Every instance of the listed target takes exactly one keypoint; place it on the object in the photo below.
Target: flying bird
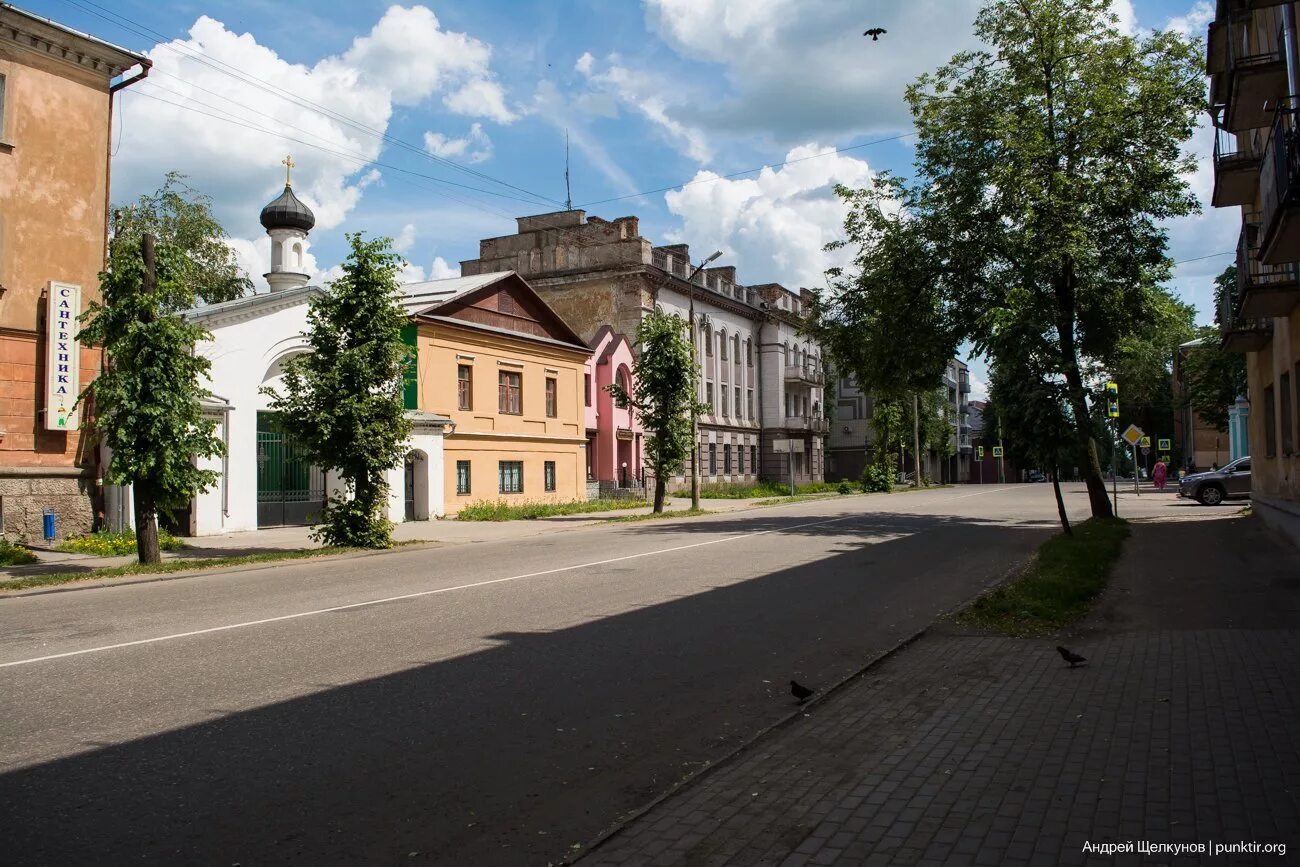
(875, 33)
(1071, 657)
(800, 691)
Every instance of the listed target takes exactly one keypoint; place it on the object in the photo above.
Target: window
(1270, 422)
(749, 403)
(726, 459)
(753, 459)
(510, 384)
(724, 400)
(2, 108)
(708, 396)
(749, 353)
(713, 459)
(462, 477)
(511, 477)
(740, 460)
(708, 342)
(738, 403)
(587, 386)
(735, 348)
(548, 475)
(464, 386)
(552, 397)
(1288, 438)
(722, 345)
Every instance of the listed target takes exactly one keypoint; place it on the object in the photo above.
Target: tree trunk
(659, 493)
(916, 436)
(1086, 445)
(1060, 501)
(146, 529)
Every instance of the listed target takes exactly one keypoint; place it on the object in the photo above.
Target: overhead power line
(146, 32)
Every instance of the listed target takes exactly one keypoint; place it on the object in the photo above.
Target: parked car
(1215, 486)
(1036, 476)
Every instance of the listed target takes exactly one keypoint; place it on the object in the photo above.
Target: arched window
(749, 353)
(735, 345)
(708, 341)
(297, 256)
(624, 381)
(722, 343)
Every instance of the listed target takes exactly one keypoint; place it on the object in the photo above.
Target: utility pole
(695, 404)
(146, 516)
(916, 437)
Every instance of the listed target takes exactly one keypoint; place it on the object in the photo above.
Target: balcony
(1246, 66)
(1263, 290)
(1279, 189)
(815, 424)
(964, 386)
(1239, 333)
(1237, 160)
(805, 373)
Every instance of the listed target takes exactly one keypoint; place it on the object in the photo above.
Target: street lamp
(695, 413)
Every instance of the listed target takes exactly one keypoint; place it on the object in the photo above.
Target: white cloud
(405, 239)
(441, 270)
(644, 93)
(474, 146)
(1194, 22)
(1123, 10)
(794, 74)
(771, 227)
(405, 59)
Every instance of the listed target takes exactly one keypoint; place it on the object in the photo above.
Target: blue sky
(383, 98)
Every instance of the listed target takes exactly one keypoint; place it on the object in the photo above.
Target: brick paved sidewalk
(974, 750)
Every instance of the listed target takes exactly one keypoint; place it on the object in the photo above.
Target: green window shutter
(411, 376)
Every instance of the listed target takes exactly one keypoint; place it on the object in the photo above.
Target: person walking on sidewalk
(1158, 475)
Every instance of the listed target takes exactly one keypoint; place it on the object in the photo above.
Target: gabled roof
(439, 300)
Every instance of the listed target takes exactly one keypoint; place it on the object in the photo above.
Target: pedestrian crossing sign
(997, 451)
(1164, 446)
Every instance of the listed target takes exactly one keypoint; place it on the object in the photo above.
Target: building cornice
(49, 39)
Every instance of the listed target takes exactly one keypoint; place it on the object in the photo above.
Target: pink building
(615, 437)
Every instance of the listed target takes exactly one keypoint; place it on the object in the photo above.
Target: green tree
(148, 399)
(891, 288)
(1212, 378)
(343, 399)
(665, 373)
(1045, 167)
(181, 219)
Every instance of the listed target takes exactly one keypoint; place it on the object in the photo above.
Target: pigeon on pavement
(1071, 657)
(800, 692)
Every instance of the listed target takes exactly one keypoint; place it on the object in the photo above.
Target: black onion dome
(288, 212)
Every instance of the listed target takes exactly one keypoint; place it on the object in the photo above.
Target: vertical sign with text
(62, 357)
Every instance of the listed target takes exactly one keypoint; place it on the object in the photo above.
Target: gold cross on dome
(288, 164)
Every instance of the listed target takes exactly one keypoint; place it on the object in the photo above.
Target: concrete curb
(696, 776)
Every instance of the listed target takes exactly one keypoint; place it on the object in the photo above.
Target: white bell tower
(287, 220)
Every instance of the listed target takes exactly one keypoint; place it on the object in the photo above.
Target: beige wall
(53, 180)
(485, 436)
(1278, 476)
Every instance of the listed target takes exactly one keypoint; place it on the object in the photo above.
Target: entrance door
(290, 490)
(410, 487)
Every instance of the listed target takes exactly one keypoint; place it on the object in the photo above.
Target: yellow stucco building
(493, 357)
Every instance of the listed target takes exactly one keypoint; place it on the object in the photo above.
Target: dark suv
(1212, 488)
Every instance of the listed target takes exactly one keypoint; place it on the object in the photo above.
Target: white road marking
(352, 605)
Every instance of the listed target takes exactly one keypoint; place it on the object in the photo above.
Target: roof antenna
(568, 194)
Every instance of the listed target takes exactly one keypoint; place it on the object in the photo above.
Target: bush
(14, 555)
(735, 491)
(877, 479)
(105, 544)
(844, 487)
(500, 510)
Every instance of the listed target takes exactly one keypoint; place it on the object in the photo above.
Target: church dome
(288, 212)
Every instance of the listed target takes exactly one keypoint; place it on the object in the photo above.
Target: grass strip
(655, 516)
(180, 565)
(1057, 587)
(500, 510)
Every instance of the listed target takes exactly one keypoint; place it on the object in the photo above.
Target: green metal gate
(290, 490)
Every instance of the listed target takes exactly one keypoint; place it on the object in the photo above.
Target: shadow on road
(506, 755)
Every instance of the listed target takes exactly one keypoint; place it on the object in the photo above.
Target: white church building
(265, 478)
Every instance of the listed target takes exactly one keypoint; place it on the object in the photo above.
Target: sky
(723, 124)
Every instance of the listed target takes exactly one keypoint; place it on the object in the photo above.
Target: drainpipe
(1289, 50)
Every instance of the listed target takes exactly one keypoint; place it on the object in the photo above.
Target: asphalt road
(485, 704)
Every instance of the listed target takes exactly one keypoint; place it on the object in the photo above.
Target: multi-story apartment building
(56, 90)
(1197, 443)
(759, 377)
(956, 383)
(851, 438)
(1253, 59)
